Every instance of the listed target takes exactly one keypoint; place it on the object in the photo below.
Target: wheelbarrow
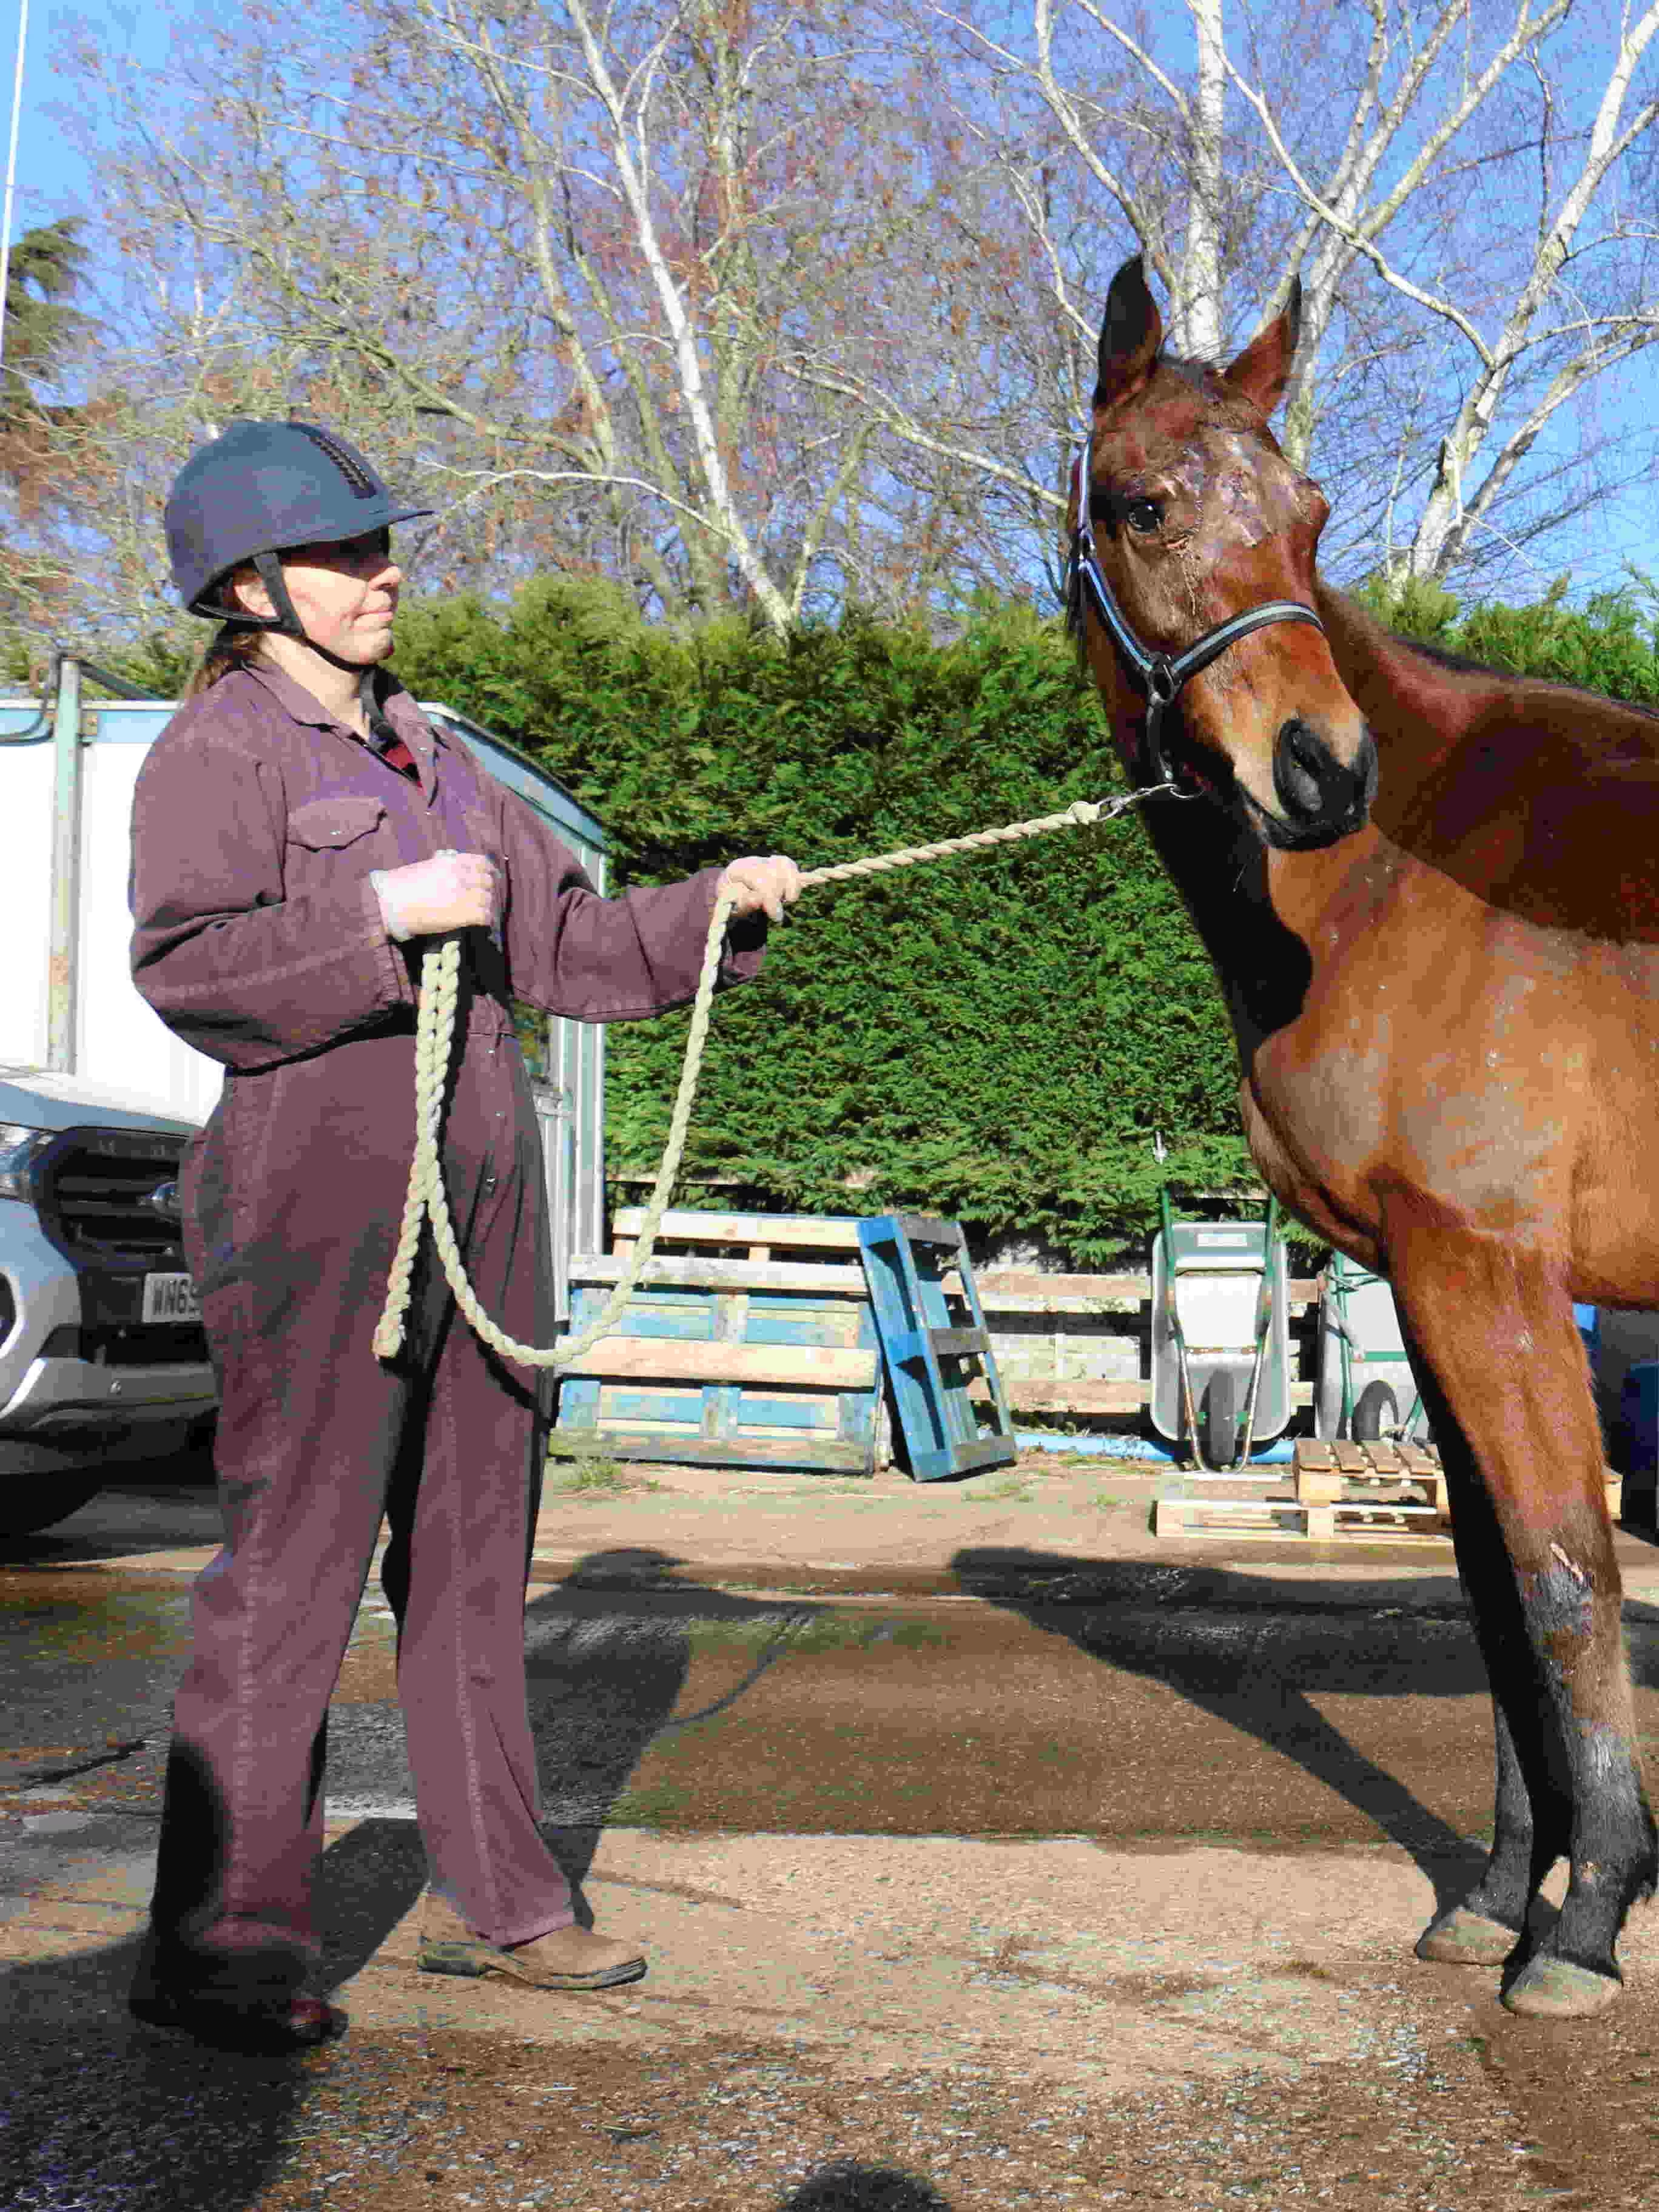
(1221, 1345)
(1364, 1372)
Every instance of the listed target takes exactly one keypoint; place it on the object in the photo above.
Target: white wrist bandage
(391, 909)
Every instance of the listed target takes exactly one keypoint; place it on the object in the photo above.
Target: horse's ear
(1131, 332)
(1263, 369)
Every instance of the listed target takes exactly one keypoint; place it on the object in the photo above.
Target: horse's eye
(1143, 515)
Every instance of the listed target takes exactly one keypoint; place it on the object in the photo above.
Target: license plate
(171, 1297)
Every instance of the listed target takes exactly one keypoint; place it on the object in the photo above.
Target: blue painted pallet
(728, 1361)
(934, 1355)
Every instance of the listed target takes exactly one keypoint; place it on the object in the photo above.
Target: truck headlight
(20, 1147)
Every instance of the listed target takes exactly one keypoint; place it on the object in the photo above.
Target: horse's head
(1193, 582)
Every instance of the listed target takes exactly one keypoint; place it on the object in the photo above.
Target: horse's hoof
(1555, 1989)
(1462, 1938)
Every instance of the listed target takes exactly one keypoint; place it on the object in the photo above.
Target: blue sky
(52, 180)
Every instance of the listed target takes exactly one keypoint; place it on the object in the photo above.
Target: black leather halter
(1160, 675)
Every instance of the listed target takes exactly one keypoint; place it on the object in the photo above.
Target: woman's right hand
(452, 890)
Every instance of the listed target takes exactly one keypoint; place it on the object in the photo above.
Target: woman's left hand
(772, 883)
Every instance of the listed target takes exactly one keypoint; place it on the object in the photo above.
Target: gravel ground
(457, 2121)
(1482, 2117)
(1439, 2102)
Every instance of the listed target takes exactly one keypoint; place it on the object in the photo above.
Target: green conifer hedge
(993, 1038)
(996, 1038)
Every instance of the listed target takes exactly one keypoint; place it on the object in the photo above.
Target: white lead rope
(441, 970)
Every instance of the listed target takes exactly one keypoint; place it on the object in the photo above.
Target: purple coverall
(260, 940)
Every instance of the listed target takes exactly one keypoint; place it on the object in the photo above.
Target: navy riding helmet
(260, 489)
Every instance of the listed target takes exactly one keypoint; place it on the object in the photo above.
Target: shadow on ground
(848, 2187)
(1248, 1649)
(98, 2111)
(605, 1682)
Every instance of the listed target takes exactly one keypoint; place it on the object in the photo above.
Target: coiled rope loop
(440, 970)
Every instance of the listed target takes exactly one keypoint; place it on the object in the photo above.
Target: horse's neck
(1541, 801)
(1258, 949)
(1419, 711)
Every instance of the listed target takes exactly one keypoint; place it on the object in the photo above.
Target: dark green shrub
(993, 1038)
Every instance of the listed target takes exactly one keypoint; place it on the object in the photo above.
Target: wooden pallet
(1329, 1491)
(1368, 1492)
(947, 1397)
(726, 1360)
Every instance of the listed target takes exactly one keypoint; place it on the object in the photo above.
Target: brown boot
(568, 1959)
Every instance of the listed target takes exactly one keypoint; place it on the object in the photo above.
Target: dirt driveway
(987, 1854)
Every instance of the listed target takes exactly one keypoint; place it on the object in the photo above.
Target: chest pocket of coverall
(328, 825)
(320, 827)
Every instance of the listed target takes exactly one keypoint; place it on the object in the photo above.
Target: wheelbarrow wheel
(1376, 1414)
(1219, 1417)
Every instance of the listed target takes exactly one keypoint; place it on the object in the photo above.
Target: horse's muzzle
(1322, 798)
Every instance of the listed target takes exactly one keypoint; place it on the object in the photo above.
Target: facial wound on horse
(1428, 891)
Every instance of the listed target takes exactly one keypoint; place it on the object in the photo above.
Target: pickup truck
(102, 1359)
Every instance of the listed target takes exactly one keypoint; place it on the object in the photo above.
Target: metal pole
(1264, 1319)
(1172, 1313)
(11, 170)
(62, 993)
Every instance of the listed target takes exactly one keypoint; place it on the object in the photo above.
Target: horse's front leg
(1507, 1390)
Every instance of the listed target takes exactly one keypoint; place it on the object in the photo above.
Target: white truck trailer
(102, 1359)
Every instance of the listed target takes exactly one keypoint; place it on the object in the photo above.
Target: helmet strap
(286, 620)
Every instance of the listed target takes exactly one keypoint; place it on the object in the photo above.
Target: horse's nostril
(1304, 769)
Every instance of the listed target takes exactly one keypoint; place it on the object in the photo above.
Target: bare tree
(547, 261)
(779, 304)
(1458, 183)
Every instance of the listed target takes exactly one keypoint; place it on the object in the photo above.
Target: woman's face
(345, 594)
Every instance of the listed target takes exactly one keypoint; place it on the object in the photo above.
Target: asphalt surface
(986, 1853)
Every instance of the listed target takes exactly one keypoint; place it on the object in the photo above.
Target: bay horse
(1430, 894)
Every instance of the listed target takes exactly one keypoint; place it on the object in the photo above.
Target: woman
(297, 831)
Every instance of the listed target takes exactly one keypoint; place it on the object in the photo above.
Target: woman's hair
(233, 646)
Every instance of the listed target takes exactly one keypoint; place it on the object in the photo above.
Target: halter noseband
(1160, 675)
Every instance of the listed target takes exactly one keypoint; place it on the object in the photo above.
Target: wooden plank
(1014, 1290)
(672, 1360)
(1317, 1485)
(697, 1272)
(957, 1343)
(1079, 1395)
(1270, 1515)
(1313, 1453)
(1085, 1394)
(685, 1226)
(943, 1426)
(997, 1285)
(1170, 1517)
(824, 1455)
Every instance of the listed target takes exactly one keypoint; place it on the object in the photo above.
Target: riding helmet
(261, 489)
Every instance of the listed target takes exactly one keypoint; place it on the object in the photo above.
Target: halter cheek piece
(1160, 675)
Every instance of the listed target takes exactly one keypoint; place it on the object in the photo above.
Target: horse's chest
(1457, 1088)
